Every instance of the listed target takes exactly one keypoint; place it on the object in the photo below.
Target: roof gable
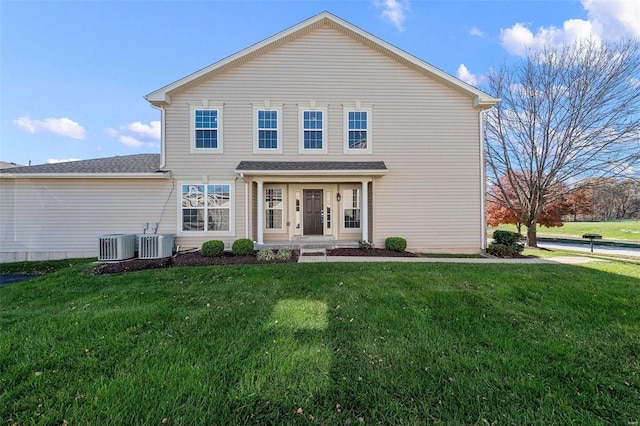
(163, 96)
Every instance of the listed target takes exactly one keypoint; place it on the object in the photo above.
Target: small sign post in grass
(592, 237)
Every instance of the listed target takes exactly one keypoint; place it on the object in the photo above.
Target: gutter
(156, 175)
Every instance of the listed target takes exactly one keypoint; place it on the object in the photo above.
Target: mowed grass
(325, 344)
(611, 230)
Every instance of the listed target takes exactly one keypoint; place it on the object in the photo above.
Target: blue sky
(73, 74)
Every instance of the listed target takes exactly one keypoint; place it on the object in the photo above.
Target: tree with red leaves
(503, 206)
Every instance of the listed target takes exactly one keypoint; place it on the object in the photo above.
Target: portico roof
(311, 168)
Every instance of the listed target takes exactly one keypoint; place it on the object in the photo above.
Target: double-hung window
(267, 133)
(357, 125)
(273, 208)
(206, 207)
(351, 208)
(313, 128)
(206, 127)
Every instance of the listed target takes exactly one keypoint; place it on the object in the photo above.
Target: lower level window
(205, 207)
(351, 209)
(273, 212)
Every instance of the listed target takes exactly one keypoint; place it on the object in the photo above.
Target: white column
(364, 212)
(260, 197)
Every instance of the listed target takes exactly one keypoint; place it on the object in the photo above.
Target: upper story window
(267, 133)
(313, 132)
(267, 129)
(206, 127)
(357, 125)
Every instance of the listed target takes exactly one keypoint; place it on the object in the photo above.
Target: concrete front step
(319, 250)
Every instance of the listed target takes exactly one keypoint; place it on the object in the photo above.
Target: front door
(313, 216)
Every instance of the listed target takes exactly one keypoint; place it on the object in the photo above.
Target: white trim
(342, 208)
(357, 107)
(364, 211)
(232, 209)
(260, 208)
(206, 105)
(312, 106)
(283, 208)
(267, 106)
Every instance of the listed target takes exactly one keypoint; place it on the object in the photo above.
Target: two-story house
(322, 131)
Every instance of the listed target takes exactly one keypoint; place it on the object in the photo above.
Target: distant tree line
(594, 199)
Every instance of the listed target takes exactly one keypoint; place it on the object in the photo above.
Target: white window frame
(205, 105)
(266, 207)
(312, 107)
(344, 205)
(229, 232)
(267, 106)
(357, 107)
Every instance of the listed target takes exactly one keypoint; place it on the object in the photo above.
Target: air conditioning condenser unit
(115, 247)
(155, 246)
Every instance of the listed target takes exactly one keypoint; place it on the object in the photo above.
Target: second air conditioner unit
(155, 246)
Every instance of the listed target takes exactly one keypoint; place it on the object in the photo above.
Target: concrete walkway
(568, 260)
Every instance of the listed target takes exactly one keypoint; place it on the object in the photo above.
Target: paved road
(621, 251)
(14, 278)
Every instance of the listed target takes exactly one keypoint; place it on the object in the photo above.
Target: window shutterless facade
(312, 125)
(206, 127)
(267, 128)
(357, 130)
(206, 207)
(351, 208)
(274, 207)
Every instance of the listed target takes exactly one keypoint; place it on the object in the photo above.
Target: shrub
(242, 247)
(395, 244)
(365, 245)
(507, 238)
(284, 254)
(213, 248)
(505, 244)
(498, 250)
(266, 255)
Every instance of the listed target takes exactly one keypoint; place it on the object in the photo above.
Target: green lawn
(611, 230)
(325, 344)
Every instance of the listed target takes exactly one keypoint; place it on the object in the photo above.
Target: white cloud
(137, 134)
(476, 32)
(54, 160)
(151, 130)
(394, 11)
(62, 126)
(519, 38)
(465, 75)
(615, 17)
(607, 19)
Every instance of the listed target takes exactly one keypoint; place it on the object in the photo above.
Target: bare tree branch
(567, 115)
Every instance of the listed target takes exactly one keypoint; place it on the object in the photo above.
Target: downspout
(483, 183)
(162, 137)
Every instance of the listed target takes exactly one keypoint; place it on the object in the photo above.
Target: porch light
(338, 197)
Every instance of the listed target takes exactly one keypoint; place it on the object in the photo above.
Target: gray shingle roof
(310, 165)
(139, 163)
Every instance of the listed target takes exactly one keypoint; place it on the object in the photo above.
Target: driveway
(6, 279)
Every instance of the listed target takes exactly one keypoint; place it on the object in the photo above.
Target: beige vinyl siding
(62, 218)
(426, 133)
